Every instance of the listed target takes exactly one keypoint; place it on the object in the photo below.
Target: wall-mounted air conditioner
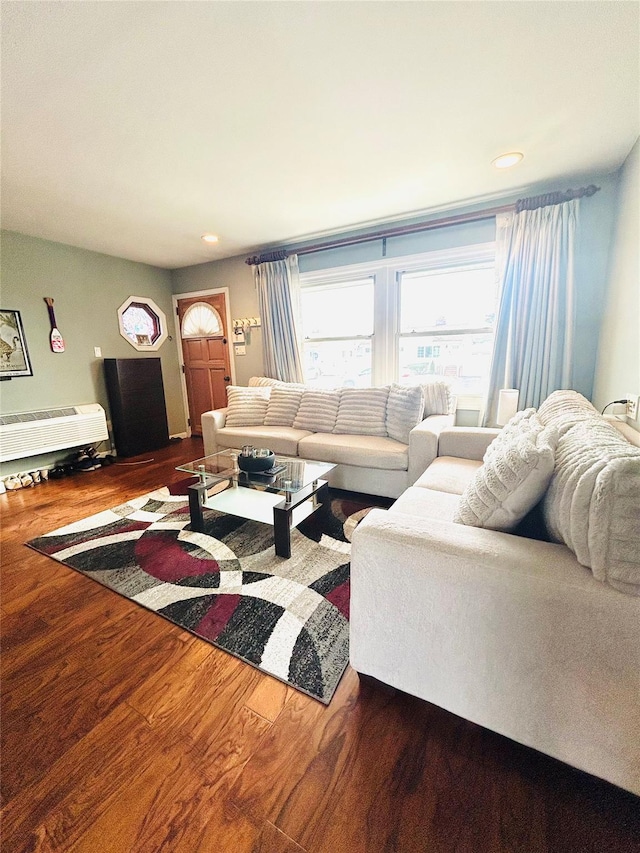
(31, 433)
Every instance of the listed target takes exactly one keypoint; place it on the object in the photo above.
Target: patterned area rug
(288, 618)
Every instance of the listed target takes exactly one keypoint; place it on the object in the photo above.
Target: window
(337, 322)
(201, 321)
(446, 326)
(142, 323)
(407, 320)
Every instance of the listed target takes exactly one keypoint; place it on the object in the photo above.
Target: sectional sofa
(523, 621)
(381, 439)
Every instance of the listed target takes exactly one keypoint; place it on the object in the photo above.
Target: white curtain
(278, 286)
(533, 349)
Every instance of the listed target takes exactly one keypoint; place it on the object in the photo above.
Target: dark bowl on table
(256, 463)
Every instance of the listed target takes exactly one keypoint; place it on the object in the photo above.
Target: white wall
(618, 363)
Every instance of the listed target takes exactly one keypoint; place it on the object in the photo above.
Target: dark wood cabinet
(137, 404)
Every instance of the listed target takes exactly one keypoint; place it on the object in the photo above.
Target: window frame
(162, 335)
(386, 273)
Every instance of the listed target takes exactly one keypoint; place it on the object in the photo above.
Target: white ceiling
(131, 128)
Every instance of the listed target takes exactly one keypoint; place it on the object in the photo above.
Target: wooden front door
(205, 350)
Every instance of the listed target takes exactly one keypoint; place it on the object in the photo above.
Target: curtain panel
(533, 349)
(278, 287)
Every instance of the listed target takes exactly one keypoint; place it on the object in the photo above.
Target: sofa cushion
(511, 482)
(449, 474)
(593, 502)
(246, 406)
(366, 451)
(318, 410)
(425, 503)
(437, 398)
(283, 406)
(282, 440)
(404, 411)
(362, 411)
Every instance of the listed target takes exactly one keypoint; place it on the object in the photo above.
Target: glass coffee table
(283, 499)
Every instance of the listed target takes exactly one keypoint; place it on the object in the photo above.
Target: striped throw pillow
(404, 411)
(437, 399)
(318, 411)
(283, 406)
(363, 411)
(246, 406)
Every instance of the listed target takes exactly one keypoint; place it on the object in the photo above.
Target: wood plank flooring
(122, 733)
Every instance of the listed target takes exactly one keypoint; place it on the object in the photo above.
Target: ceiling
(132, 128)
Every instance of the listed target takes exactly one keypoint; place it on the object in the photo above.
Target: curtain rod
(457, 219)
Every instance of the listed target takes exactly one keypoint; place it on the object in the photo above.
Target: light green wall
(88, 289)
(618, 364)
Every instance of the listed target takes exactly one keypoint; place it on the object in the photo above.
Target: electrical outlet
(632, 406)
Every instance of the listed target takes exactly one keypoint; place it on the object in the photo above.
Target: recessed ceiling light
(210, 238)
(505, 161)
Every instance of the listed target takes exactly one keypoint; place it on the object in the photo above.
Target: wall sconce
(507, 405)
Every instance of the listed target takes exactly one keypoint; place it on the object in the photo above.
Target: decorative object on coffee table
(255, 459)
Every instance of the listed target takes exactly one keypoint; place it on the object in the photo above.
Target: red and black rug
(287, 617)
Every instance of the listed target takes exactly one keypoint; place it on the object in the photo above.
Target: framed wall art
(14, 356)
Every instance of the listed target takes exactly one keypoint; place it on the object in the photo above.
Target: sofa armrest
(423, 443)
(211, 423)
(466, 442)
(510, 633)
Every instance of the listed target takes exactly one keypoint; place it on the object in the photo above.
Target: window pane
(337, 364)
(201, 321)
(140, 324)
(337, 311)
(457, 299)
(462, 360)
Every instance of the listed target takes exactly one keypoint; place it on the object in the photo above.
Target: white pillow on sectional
(511, 482)
(404, 411)
(283, 406)
(318, 410)
(518, 424)
(437, 398)
(246, 406)
(363, 411)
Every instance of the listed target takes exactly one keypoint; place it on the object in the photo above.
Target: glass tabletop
(294, 475)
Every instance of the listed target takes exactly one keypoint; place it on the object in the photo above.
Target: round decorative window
(201, 321)
(142, 323)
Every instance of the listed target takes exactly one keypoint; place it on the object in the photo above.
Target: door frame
(183, 380)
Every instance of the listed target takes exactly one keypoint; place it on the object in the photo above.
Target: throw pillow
(519, 423)
(511, 483)
(437, 399)
(363, 411)
(404, 411)
(318, 411)
(246, 406)
(283, 406)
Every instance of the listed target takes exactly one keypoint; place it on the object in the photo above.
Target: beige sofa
(372, 464)
(537, 640)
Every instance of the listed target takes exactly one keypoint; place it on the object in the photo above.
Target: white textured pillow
(404, 411)
(283, 406)
(511, 483)
(437, 398)
(246, 406)
(564, 409)
(318, 410)
(363, 411)
(519, 423)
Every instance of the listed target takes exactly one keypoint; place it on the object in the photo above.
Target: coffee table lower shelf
(266, 507)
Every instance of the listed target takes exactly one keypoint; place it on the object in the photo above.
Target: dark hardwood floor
(125, 734)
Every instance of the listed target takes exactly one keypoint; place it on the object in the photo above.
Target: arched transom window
(201, 320)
